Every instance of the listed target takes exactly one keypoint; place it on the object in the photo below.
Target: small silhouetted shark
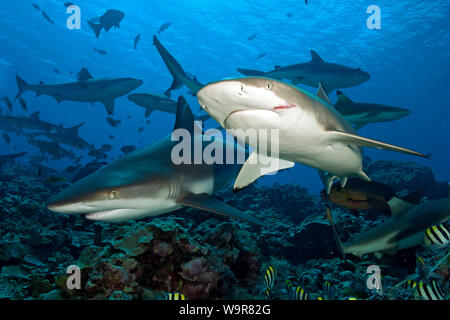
(311, 73)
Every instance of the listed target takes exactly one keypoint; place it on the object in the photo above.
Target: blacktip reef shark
(180, 78)
(155, 102)
(85, 89)
(361, 113)
(310, 130)
(310, 73)
(146, 183)
(405, 229)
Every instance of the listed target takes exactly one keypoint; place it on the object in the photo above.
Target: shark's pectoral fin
(256, 166)
(358, 125)
(353, 139)
(209, 203)
(148, 111)
(109, 105)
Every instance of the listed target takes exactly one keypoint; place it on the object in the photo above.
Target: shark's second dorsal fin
(35, 115)
(185, 118)
(84, 75)
(315, 57)
(342, 98)
(322, 93)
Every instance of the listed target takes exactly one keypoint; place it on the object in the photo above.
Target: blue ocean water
(408, 60)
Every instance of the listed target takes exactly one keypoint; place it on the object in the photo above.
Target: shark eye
(113, 195)
(268, 85)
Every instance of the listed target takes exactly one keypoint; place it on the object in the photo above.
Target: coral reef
(196, 253)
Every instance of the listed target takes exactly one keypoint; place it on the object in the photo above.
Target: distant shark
(311, 73)
(32, 122)
(84, 90)
(10, 157)
(147, 183)
(310, 130)
(180, 78)
(405, 229)
(156, 102)
(361, 113)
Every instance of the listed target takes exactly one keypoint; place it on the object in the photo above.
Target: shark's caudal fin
(174, 67)
(209, 203)
(96, 27)
(21, 85)
(353, 139)
(251, 73)
(256, 166)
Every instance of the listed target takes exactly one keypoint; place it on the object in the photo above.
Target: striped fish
(410, 284)
(300, 294)
(327, 288)
(289, 286)
(425, 291)
(175, 296)
(269, 277)
(437, 235)
(267, 294)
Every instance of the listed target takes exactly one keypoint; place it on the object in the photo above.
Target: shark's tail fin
(21, 85)
(252, 73)
(96, 27)
(335, 234)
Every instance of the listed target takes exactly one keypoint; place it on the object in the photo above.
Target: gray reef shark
(361, 113)
(310, 73)
(310, 130)
(405, 229)
(10, 157)
(156, 102)
(146, 182)
(180, 78)
(32, 122)
(85, 89)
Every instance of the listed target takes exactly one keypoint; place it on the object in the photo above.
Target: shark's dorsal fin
(342, 98)
(185, 118)
(315, 57)
(322, 94)
(35, 115)
(74, 129)
(84, 75)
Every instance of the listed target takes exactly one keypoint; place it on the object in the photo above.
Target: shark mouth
(109, 214)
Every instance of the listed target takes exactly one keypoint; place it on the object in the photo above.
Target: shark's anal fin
(209, 203)
(258, 165)
(109, 105)
(353, 139)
